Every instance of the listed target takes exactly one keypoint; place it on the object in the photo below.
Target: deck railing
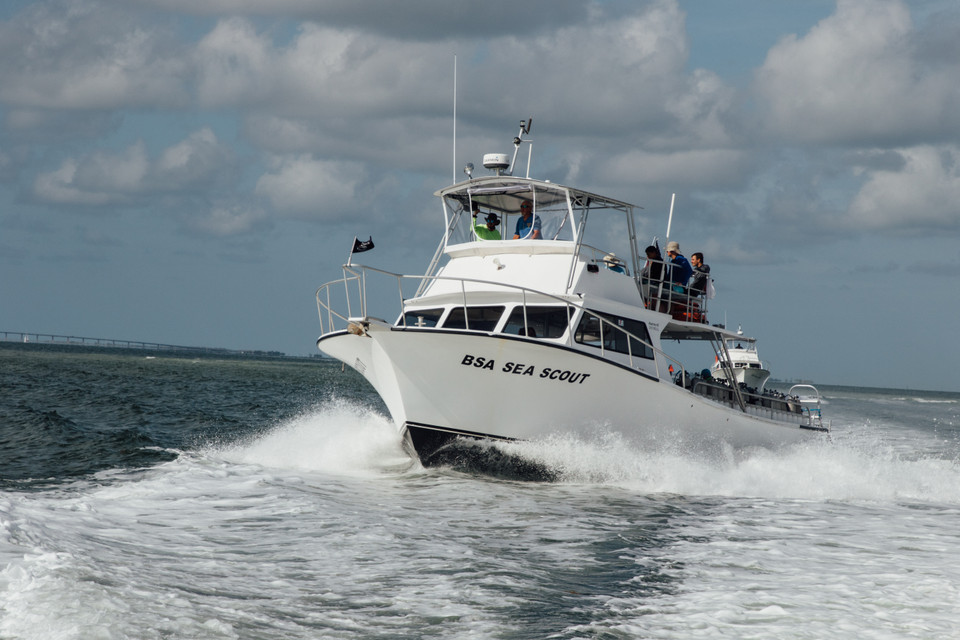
(354, 298)
(674, 298)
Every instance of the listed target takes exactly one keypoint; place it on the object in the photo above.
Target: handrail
(681, 306)
(355, 276)
(758, 403)
(816, 415)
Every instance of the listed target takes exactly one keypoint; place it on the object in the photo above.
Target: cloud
(130, 175)
(76, 55)
(55, 126)
(227, 220)
(706, 168)
(411, 19)
(322, 73)
(58, 187)
(858, 77)
(922, 196)
(348, 93)
(611, 73)
(302, 186)
(193, 163)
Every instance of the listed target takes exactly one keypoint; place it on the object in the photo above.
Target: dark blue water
(156, 497)
(71, 411)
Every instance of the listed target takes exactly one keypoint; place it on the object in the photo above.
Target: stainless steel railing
(672, 297)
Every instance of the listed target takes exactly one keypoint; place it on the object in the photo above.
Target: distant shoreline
(133, 347)
(173, 351)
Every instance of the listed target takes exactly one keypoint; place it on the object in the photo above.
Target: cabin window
(421, 318)
(479, 318)
(613, 336)
(542, 322)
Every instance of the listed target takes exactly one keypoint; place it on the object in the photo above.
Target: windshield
(507, 212)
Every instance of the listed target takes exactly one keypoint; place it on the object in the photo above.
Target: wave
(343, 437)
(339, 436)
(818, 470)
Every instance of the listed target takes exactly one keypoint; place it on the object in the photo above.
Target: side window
(588, 331)
(421, 318)
(542, 322)
(612, 335)
(479, 318)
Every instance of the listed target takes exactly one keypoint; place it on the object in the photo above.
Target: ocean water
(155, 497)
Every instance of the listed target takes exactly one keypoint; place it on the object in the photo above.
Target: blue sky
(190, 172)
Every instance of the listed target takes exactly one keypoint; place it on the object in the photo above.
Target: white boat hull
(513, 388)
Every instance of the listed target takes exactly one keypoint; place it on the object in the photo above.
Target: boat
(527, 324)
(747, 368)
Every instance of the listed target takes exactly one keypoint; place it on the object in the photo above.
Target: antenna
(524, 129)
(454, 118)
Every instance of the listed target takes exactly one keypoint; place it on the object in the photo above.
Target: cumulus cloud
(196, 162)
(127, 176)
(332, 90)
(346, 93)
(59, 187)
(857, 78)
(631, 83)
(305, 187)
(76, 55)
(921, 196)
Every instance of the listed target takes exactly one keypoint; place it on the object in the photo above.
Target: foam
(338, 437)
(857, 470)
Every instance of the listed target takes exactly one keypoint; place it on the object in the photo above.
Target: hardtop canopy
(505, 193)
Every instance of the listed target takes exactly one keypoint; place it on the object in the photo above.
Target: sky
(190, 172)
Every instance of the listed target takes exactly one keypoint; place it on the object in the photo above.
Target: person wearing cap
(680, 269)
(528, 226)
(489, 230)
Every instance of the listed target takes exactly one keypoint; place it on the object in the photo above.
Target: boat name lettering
(478, 361)
(564, 375)
(519, 368)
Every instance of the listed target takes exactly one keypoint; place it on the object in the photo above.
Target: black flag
(359, 245)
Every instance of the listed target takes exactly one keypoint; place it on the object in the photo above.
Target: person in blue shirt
(528, 226)
(680, 269)
(612, 262)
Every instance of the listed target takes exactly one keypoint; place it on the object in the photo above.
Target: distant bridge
(50, 338)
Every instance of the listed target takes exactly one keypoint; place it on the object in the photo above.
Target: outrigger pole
(670, 219)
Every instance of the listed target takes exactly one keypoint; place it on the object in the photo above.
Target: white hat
(673, 246)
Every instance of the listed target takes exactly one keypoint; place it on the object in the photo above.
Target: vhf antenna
(524, 129)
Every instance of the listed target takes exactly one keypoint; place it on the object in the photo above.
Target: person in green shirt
(489, 230)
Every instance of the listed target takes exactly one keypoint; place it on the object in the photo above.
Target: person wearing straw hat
(680, 269)
(612, 262)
